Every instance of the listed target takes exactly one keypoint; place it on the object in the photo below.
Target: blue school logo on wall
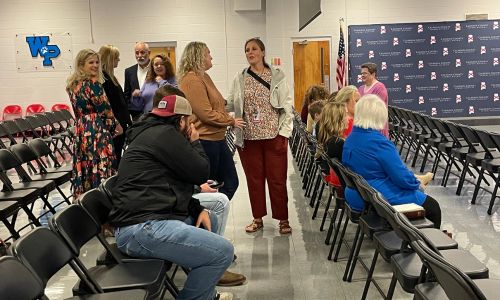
(39, 45)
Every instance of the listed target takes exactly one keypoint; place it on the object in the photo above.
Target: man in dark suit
(135, 76)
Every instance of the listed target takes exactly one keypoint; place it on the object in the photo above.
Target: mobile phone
(215, 184)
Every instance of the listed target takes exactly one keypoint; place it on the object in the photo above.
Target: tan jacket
(208, 106)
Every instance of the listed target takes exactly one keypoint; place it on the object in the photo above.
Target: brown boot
(231, 279)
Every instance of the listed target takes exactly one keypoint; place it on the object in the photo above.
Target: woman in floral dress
(94, 157)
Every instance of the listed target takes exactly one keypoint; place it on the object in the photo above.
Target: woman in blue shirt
(370, 154)
(161, 72)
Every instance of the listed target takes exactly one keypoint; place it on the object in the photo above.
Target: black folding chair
(76, 227)
(44, 253)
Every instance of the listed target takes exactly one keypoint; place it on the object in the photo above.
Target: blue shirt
(145, 101)
(374, 157)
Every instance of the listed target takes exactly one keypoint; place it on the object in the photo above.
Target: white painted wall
(123, 22)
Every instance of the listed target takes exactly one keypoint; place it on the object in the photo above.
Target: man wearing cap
(154, 211)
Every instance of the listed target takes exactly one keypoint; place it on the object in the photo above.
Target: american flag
(341, 62)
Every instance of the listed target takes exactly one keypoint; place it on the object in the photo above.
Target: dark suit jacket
(131, 82)
(117, 100)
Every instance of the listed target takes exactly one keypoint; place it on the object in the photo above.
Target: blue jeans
(218, 204)
(207, 254)
(221, 166)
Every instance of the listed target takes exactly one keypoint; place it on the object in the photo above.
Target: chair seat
(422, 223)
(45, 186)
(446, 147)
(429, 291)
(460, 153)
(492, 165)
(441, 240)
(63, 168)
(7, 208)
(105, 257)
(434, 291)
(407, 266)
(58, 177)
(140, 274)
(476, 158)
(371, 223)
(120, 295)
(387, 244)
(26, 195)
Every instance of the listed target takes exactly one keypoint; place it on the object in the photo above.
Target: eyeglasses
(141, 52)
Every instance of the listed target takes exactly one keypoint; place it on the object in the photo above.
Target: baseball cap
(172, 105)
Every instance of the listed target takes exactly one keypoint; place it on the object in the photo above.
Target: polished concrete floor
(295, 266)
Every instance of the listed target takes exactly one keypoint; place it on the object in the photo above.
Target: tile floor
(295, 266)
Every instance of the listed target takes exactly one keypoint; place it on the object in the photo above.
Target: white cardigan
(280, 99)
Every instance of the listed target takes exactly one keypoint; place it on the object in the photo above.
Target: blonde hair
(109, 54)
(78, 73)
(345, 94)
(370, 113)
(192, 59)
(332, 122)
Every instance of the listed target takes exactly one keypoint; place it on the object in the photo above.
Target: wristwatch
(208, 212)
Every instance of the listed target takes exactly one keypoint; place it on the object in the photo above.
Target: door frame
(314, 39)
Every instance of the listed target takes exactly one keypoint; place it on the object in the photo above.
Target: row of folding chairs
(461, 150)
(56, 128)
(29, 172)
(42, 252)
(383, 226)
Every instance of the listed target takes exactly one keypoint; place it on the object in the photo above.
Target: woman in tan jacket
(212, 119)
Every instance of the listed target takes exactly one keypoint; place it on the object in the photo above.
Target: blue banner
(443, 69)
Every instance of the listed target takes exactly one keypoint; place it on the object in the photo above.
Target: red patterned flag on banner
(341, 62)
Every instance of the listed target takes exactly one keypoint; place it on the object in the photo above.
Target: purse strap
(259, 79)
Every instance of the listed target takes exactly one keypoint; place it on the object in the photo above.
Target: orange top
(208, 106)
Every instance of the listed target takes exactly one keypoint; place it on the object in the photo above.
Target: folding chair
(452, 283)
(76, 227)
(34, 109)
(44, 253)
(12, 111)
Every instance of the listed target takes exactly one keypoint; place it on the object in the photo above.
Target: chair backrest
(386, 211)
(341, 171)
(68, 116)
(60, 106)
(11, 129)
(107, 186)
(17, 281)
(43, 152)
(23, 153)
(34, 109)
(496, 139)
(97, 205)
(75, 226)
(8, 160)
(487, 142)
(43, 252)
(456, 134)
(332, 163)
(12, 111)
(455, 283)
(470, 137)
(413, 233)
(23, 125)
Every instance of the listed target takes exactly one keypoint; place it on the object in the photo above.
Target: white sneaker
(224, 296)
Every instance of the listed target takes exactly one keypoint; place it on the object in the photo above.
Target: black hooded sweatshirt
(157, 175)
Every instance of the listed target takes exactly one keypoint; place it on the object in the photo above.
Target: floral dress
(94, 157)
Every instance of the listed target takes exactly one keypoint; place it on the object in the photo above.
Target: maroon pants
(266, 160)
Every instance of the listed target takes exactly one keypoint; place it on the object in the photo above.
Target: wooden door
(311, 66)
(167, 51)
